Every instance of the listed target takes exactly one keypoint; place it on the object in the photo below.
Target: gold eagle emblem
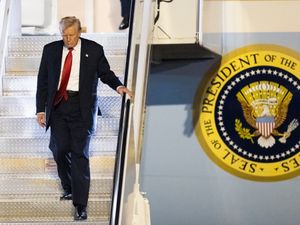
(265, 107)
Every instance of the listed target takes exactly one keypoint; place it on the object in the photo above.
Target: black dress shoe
(124, 24)
(66, 196)
(80, 213)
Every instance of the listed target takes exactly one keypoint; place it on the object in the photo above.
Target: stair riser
(38, 146)
(25, 106)
(28, 127)
(23, 85)
(31, 64)
(47, 188)
(94, 221)
(50, 210)
(113, 44)
(46, 166)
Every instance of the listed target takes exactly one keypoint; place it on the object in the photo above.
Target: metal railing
(126, 178)
(129, 206)
(5, 6)
(10, 24)
(122, 139)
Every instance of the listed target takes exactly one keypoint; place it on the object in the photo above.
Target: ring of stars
(221, 107)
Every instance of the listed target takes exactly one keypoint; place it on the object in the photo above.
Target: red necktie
(62, 91)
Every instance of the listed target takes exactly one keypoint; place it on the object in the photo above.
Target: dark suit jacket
(93, 65)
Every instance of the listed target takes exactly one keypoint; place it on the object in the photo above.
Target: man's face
(71, 36)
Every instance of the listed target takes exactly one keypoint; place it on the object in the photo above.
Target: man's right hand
(41, 119)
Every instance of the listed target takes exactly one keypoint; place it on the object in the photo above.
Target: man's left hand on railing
(124, 90)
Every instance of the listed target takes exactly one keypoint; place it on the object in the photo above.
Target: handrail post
(141, 72)
(8, 9)
(199, 22)
(4, 14)
(14, 18)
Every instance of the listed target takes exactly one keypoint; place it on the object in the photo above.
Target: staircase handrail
(126, 177)
(119, 163)
(122, 138)
(4, 26)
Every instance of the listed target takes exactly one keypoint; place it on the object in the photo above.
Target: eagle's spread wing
(282, 111)
(247, 111)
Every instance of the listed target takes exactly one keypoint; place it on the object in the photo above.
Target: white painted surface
(177, 22)
(106, 14)
(36, 13)
(95, 15)
(251, 16)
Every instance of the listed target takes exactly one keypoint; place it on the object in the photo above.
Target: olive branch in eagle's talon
(244, 133)
(292, 126)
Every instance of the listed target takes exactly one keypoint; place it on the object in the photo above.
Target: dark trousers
(125, 8)
(69, 143)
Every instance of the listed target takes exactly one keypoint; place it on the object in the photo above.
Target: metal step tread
(36, 165)
(32, 63)
(50, 198)
(113, 43)
(47, 187)
(45, 137)
(46, 153)
(25, 105)
(94, 221)
(27, 84)
(38, 176)
(21, 126)
(11, 155)
(29, 97)
(14, 210)
(44, 197)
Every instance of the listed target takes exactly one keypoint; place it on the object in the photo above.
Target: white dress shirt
(73, 84)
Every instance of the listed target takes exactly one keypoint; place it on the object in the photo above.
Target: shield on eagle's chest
(265, 125)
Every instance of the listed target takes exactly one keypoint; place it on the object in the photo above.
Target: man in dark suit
(125, 13)
(66, 101)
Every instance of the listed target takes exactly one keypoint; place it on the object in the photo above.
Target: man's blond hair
(68, 21)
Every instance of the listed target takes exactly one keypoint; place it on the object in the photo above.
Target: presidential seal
(247, 114)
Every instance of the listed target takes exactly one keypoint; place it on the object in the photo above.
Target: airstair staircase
(29, 186)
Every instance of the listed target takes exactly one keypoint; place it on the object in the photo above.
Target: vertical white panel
(33, 13)
(15, 18)
(89, 15)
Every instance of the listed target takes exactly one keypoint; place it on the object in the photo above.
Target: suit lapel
(57, 63)
(83, 62)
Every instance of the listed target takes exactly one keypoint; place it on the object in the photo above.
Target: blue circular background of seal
(232, 110)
